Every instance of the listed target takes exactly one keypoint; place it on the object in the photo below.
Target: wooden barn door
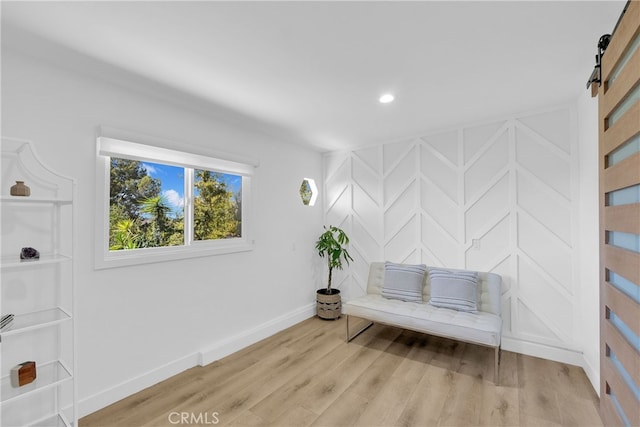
(619, 146)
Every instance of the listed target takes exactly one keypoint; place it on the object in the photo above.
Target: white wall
(514, 186)
(589, 226)
(138, 325)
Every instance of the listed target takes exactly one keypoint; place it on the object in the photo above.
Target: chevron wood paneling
(496, 197)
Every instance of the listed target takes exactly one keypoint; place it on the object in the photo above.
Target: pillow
(403, 281)
(454, 289)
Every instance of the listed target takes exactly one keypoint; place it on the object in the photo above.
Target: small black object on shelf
(29, 254)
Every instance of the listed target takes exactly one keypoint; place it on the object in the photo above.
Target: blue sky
(172, 178)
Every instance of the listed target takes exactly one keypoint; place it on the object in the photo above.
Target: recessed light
(386, 98)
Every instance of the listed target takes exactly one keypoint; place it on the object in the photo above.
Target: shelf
(35, 200)
(48, 375)
(16, 262)
(39, 319)
(46, 286)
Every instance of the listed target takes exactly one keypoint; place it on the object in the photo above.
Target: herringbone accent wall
(497, 197)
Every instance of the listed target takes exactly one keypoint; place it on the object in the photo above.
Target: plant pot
(328, 305)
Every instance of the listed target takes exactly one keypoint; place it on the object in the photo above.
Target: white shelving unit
(39, 293)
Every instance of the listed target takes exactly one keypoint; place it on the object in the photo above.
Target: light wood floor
(308, 376)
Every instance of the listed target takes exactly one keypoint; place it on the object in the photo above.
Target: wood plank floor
(308, 376)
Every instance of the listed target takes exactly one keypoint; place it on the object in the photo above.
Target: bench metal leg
(349, 338)
(496, 367)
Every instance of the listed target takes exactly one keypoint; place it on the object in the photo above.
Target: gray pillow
(454, 289)
(403, 281)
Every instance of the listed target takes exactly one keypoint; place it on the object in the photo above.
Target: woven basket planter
(328, 306)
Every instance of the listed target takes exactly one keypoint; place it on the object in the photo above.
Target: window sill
(123, 258)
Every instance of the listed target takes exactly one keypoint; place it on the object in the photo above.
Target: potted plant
(331, 245)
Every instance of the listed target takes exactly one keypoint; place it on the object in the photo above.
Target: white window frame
(108, 146)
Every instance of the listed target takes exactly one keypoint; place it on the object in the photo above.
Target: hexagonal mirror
(308, 192)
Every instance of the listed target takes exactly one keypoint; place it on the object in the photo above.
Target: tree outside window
(217, 209)
(147, 205)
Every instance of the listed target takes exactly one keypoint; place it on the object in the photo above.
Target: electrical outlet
(476, 244)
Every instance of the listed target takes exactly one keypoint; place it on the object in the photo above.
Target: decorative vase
(20, 189)
(328, 306)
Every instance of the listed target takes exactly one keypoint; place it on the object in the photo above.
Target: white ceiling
(311, 72)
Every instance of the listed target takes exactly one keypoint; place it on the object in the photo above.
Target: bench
(482, 327)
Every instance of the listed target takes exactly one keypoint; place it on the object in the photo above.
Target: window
(146, 205)
(217, 205)
(158, 204)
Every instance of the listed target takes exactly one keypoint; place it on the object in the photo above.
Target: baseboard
(557, 354)
(593, 374)
(214, 352)
(111, 395)
(251, 336)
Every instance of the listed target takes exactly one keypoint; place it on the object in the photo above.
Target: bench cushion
(483, 326)
(480, 327)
